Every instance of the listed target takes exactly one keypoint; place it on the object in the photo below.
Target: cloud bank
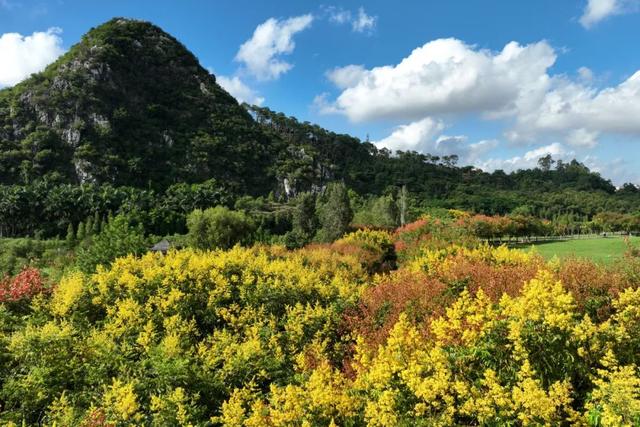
(21, 56)
(447, 78)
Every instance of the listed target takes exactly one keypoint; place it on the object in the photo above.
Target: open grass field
(601, 249)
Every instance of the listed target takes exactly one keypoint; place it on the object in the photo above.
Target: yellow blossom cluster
(515, 362)
(437, 261)
(324, 336)
(164, 339)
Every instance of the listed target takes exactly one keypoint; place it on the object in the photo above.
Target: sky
(499, 83)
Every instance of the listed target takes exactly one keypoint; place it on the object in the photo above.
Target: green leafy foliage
(119, 238)
(334, 212)
(218, 227)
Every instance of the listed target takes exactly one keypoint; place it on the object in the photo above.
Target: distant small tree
(385, 211)
(334, 212)
(81, 234)
(450, 161)
(304, 221)
(546, 162)
(380, 211)
(119, 238)
(96, 223)
(71, 235)
(218, 227)
(88, 228)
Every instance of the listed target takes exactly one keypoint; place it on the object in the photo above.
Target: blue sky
(500, 83)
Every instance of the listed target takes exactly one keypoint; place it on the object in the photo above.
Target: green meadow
(600, 249)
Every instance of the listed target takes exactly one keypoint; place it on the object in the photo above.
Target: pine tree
(305, 221)
(71, 235)
(88, 228)
(81, 234)
(334, 211)
(96, 223)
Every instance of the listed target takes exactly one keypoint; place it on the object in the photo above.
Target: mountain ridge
(128, 104)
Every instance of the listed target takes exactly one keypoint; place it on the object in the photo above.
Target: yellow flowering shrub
(120, 403)
(68, 293)
(615, 400)
(481, 363)
(436, 261)
(458, 214)
(264, 336)
(174, 407)
(61, 412)
(465, 321)
(377, 239)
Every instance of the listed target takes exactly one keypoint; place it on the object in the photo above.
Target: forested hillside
(128, 105)
(127, 121)
(310, 156)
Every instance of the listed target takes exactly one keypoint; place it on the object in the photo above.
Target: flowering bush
(332, 334)
(521, 361)
(429, 233)
(168, 338)
(25, 285)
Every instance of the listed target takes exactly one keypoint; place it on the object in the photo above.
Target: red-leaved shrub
(25, 285)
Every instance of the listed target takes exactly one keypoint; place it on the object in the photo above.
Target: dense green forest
(127, 121)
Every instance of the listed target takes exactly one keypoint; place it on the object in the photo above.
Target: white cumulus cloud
(20, 55)
(527, 160)
(239, 90)
(586, 75)
(338, 15)
(344, 77)
(360, 21)
(425, 136)
(581, 112)
(416, 136)
(261, 54)
(448, 79)
(448, 76)
(582, 138)
(598, 10)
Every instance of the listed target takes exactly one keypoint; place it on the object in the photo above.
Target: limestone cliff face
(129, 104)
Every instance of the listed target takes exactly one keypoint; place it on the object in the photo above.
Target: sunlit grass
(601, 249)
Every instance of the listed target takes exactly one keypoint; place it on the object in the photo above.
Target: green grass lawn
(601, 249)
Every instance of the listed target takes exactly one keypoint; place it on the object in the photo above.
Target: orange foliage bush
(495, 280)
(428, 233)
(593, 286)
(424, 295)
(413, 293)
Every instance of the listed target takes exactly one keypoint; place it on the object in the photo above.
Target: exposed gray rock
(82, 171)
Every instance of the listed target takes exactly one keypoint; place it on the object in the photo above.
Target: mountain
(129, 105)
